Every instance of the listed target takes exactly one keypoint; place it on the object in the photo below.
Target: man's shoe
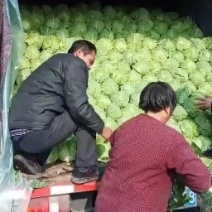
(83, 175)
(27, 166)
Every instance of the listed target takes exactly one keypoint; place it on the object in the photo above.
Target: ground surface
(54, 174)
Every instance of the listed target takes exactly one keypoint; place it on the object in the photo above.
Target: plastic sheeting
(14, 195)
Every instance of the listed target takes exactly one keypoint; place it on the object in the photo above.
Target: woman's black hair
(157, 96)
(86, 46)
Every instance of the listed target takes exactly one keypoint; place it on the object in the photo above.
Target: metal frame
(57, 198)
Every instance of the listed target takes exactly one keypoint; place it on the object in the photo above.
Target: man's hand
(106, 133)
(204, 102)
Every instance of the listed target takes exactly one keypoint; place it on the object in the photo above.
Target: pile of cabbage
(135, 46)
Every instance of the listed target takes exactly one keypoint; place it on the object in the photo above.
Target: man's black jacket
(59, 84)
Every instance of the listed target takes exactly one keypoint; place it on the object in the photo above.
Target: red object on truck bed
(66, 188)
(56, 198)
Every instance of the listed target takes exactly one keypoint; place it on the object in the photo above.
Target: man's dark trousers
(39, 143)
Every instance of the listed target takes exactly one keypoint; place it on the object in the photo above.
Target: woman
(145, 154)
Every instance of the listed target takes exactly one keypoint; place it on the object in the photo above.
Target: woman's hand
(204, 102)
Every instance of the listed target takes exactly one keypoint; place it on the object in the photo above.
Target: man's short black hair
(157, 96)
(86, 46)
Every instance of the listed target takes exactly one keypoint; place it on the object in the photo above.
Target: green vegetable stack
(135, 46)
